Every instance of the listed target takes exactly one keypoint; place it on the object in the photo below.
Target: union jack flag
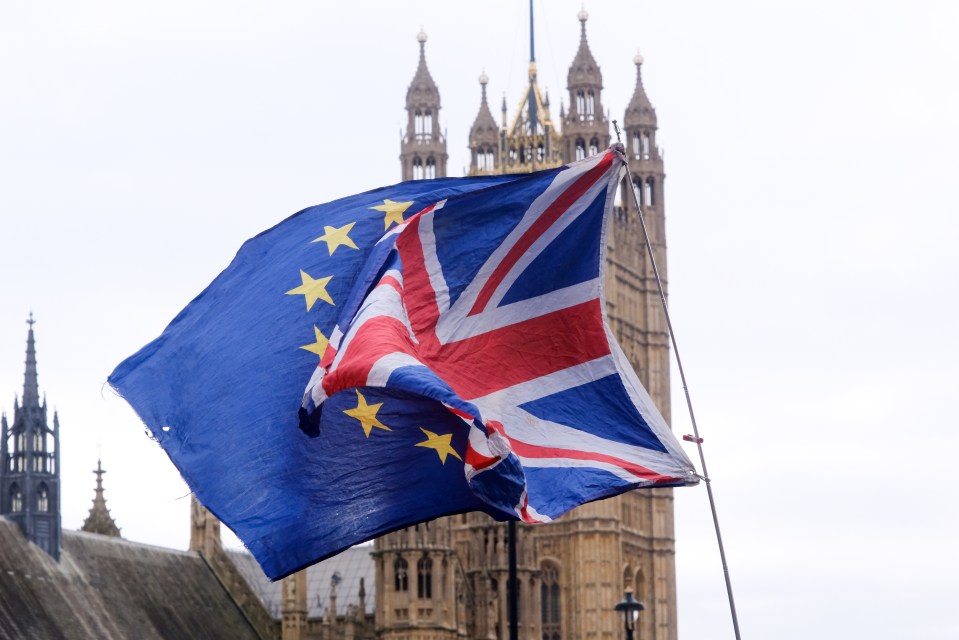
(491, 303)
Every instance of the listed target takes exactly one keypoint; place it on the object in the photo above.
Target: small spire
(640, 110)
(99, 520)
(31, 388)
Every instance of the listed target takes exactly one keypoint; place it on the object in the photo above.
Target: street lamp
(630, 607)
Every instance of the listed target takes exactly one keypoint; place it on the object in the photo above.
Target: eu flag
(220, 388)
(464, 364)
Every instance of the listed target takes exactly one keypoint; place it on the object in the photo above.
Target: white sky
(811, 160)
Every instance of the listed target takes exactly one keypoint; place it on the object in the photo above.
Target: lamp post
(630, 607)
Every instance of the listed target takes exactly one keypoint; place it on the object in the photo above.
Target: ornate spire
(422, 90)
(31, 389)
(584, 71)
(100, 521)
(423, 147)
(484, 126)
(640, 110)
(484, 137)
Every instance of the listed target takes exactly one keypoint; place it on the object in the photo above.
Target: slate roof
(109, 588)
(351, 565)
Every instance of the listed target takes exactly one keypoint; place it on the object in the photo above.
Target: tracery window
(590, 105)
(593, 146)
(417, 168)
(580, 148)
(430, 168)
(401, 574)
(581, 104)
(16, 499)
(424, 578)
(550, 601)
(43, 499)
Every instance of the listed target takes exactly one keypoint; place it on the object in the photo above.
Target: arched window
(428, 124)
(580, 104)
(43, 499)
(484, 159)
(540, 153)
(417, 168)
(650, 192)
(590, 105)
(401, 574)
(580, 148)
(550, 601)
(645, 150)
(638, 191)
(637, 145)
(424, 578)
(418, 123)
(16, 499)
(430, 168)
(512, 155)
(627, 578)
(593, 146)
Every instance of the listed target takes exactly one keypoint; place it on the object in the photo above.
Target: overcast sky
(811, 152)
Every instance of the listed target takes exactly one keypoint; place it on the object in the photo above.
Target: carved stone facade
(572, 571)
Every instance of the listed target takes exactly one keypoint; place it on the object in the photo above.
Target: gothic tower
(423, 148)
(531, 142)
(30, 463)
(99, 519)
(573, 570)
(417, 575)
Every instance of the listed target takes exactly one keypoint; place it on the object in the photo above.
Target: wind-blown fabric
(464, 365)
(492, 305)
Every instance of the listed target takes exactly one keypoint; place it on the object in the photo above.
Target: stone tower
(99, 519)
(423, 147)
(30, 463)
(418, 584)
(572, 571)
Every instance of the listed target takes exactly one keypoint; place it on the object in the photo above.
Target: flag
(464, 364)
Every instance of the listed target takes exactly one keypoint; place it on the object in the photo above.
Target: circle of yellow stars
(314, 289)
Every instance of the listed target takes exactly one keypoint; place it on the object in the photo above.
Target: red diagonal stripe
(538, 228)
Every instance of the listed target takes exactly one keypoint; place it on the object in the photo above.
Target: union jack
(492, 304)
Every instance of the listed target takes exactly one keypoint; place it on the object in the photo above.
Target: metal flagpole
(689, 402)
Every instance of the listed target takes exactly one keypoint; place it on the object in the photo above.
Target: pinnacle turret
(484, 136)
(422, 90)
(584, 72)
(423, 148)
(640, 110)
(99, 520)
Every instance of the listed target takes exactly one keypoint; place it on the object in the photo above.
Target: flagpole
(689, 402)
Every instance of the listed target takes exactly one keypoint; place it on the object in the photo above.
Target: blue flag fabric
(464, 365)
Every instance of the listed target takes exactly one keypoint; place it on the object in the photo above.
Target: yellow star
(439, 443)
(319, 346)
(366, 414)
(312, 290)
(334, 237)
(394, 211)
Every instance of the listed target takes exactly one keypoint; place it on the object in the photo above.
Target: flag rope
(689, 402)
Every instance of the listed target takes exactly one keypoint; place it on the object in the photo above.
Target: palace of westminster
(442, 580)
